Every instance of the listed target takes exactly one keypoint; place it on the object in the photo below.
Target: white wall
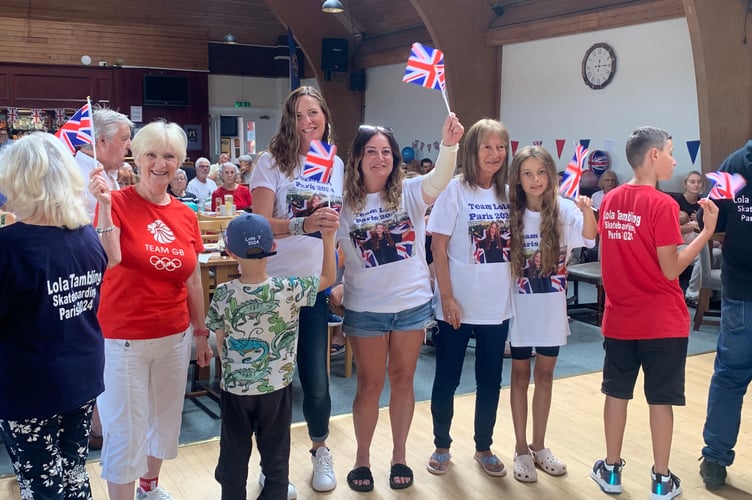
(413, 113)
(544, 98)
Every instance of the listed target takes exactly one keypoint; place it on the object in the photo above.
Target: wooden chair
(348, 351)
(212, 229)
(710, 281)
(589, 272)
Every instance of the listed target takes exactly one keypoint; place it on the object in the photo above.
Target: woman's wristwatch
(201, 332)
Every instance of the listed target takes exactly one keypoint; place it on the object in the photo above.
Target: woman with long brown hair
(278, 187)
(387, 305)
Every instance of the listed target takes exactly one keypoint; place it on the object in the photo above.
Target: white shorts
(142, 405)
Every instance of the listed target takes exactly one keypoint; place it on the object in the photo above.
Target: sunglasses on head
(375, 128)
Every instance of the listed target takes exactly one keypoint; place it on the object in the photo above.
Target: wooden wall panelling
(723, 70)
(393, 48)
(52, 42)
(639, 12)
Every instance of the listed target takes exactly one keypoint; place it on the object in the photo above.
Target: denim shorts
(371, 324)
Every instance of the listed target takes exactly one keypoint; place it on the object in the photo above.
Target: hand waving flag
(77, 130)
(319, 162)
(725, 185)
(425, 67)
(570, 186)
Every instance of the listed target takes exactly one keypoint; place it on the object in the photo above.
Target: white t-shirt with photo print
(540, 303)
(478, 251)
(385, 255)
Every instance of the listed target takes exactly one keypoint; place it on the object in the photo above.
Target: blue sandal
(442, 459)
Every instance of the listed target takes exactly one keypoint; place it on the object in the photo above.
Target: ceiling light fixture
(332, 7)
(229, 38)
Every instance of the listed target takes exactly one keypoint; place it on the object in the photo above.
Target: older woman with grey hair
(51, 267)
(241, 195)
(178, 189)
(246, 168)
(152, 307)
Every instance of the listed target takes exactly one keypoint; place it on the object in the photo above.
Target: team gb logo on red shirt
(160, 231)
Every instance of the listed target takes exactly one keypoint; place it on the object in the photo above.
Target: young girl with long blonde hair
(540, 222)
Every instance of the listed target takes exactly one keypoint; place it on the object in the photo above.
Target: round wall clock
(599, 66)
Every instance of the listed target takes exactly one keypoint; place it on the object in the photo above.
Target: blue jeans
(733, 372)
(450, 355)
(312, 353)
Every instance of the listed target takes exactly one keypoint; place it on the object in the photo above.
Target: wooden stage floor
(575, 435)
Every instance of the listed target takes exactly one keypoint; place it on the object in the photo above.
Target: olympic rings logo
(165, 263)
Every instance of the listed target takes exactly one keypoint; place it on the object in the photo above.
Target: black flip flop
(400, 470)
(360, 474)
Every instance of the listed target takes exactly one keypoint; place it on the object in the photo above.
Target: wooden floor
(575, 435)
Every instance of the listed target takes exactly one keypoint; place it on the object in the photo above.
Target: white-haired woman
(152, 306)
(51, 267)
(241, 195)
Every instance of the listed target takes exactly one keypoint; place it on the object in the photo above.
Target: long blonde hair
(355, 189)
(550, 230)
(285, 145)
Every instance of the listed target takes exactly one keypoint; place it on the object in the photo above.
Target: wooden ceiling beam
(613, 17)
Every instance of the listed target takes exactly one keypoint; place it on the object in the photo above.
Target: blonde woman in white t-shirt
(388, 302)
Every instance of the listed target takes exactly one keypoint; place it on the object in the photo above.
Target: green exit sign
(242, 104)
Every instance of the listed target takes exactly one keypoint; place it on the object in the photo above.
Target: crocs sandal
(400, 470)
(492, 465)
(356, 478)
(438, 463)
(524, 468)
(548, 462)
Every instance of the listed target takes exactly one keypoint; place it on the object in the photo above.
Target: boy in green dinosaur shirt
(255, 319)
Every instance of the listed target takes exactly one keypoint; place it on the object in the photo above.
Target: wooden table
(225, 268)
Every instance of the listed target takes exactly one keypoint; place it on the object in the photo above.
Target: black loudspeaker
(334, 54)
(358, 81)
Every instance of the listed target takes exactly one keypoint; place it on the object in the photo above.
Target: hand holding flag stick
(425, 67)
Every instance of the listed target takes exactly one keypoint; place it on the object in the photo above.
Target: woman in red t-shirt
(241, 196)
(151, 300)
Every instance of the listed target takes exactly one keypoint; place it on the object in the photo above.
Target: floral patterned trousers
(49, 454)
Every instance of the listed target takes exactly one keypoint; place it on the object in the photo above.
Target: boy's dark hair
(641, 141)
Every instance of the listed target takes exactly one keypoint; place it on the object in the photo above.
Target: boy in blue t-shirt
(255, 319)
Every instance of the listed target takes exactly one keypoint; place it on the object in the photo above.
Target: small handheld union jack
(77, 130)
(425, 67)
(319, 162)
(570, 186)
(725, 185)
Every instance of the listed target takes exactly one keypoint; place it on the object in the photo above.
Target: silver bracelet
(105, 230)
(296, 226)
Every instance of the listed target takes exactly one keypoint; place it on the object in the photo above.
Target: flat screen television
(165, 90)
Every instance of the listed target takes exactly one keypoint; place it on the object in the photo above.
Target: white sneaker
(158, 493)
(292, 493)
(323, 470)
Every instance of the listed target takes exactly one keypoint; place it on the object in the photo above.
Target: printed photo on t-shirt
(534, 281)
(306, 196)
(489, 241)
(385, 241)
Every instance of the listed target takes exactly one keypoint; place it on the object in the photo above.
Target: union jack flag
(523, 286)
(559, 283)
(570, 186)
(479, 256)
(369, 258)
(425, 67)
(78, 130)
(405, 246)
(12, 116)
(319, 162)
(725, 185)
(36, 116)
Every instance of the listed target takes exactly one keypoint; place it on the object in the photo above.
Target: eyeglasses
(375, 128)
(202, 166)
